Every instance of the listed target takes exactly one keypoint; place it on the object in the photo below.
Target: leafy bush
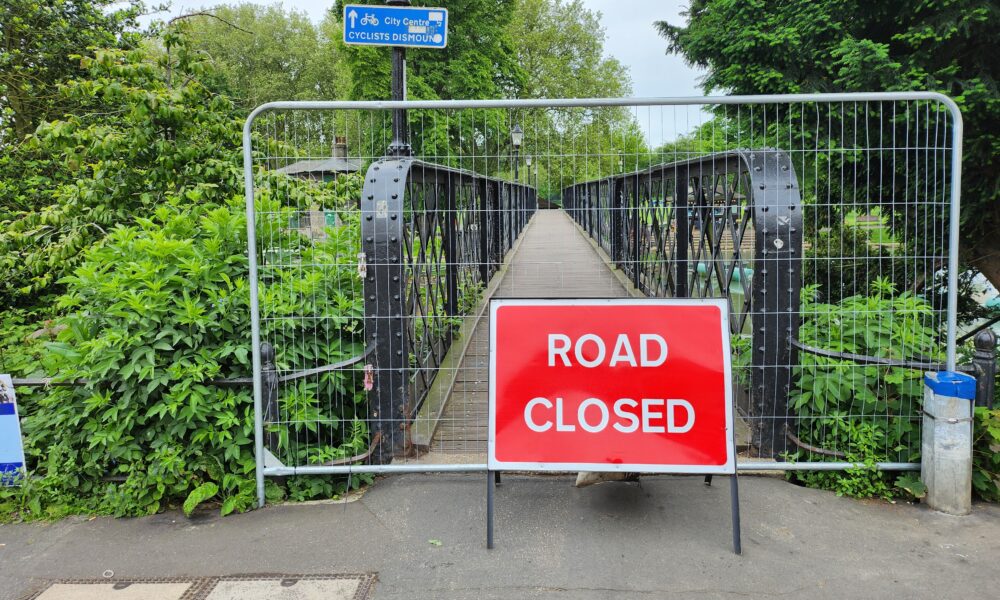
(866, 413)
(865, 449)
(145, 129)
(986, 454)
(155, 312)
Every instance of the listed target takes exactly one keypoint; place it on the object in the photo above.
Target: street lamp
(516, 138)
(527, 163)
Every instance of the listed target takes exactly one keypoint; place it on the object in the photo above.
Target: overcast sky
(630, 38)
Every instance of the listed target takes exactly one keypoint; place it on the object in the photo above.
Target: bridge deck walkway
(553, 259)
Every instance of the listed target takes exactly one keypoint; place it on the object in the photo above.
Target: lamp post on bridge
(516, 139)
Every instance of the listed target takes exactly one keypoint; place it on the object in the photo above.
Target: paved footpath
(423, 535)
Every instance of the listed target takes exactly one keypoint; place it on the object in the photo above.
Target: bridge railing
(432, 237)
(722, 225)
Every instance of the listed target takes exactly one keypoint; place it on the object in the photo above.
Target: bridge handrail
(432, 237)
(664, 224)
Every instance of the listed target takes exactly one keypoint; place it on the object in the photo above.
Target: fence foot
(490, 489)
(734, 495)
(946, 452)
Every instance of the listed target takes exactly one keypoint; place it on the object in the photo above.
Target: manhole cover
(235, 587)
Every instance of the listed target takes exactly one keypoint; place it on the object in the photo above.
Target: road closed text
(648, 415)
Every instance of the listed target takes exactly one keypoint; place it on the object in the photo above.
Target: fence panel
(827, 221)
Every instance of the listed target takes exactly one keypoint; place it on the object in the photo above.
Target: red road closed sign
(639, 385)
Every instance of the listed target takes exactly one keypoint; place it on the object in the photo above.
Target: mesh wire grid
(825, 221)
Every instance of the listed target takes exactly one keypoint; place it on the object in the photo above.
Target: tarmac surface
(424, 536)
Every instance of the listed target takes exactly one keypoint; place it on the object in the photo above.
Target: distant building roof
(338, 162)
(334, 164)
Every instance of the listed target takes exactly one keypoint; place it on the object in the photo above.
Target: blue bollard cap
(951, 384)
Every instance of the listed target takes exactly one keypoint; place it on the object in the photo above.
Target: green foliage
(155, 312)
(198, 495)
(866, 443)
(141, 227)
(842, 261)
(560, 47)
(151, 133)
(265, 53)
(829, 391)
(912, 485)
(37, 41)
(865, 413)
(986, 454)
(849, 45)
(21, 337)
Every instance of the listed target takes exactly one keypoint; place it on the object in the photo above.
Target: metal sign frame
(495, 466)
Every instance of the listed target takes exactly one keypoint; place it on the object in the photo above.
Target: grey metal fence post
(382, 217)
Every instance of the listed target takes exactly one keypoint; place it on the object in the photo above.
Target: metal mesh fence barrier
(827, 221)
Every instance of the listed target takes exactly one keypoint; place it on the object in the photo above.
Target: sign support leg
(734, 493)
(490, 489)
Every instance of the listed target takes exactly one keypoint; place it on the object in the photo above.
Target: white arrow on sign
(353, 15)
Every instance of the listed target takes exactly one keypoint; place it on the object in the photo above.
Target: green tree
(147, 131)
(560, 47)
(37, 38)
(148, 241)
(849, 45)
(263, 54)
(479, 62)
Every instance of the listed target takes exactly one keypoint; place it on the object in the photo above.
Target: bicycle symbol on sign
(369, 19)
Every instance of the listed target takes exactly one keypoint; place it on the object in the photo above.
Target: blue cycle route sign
(408, 26)
(11, 449)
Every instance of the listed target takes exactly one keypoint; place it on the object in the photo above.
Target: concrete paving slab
(239, 587)
(114, 591)
(286, 589)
